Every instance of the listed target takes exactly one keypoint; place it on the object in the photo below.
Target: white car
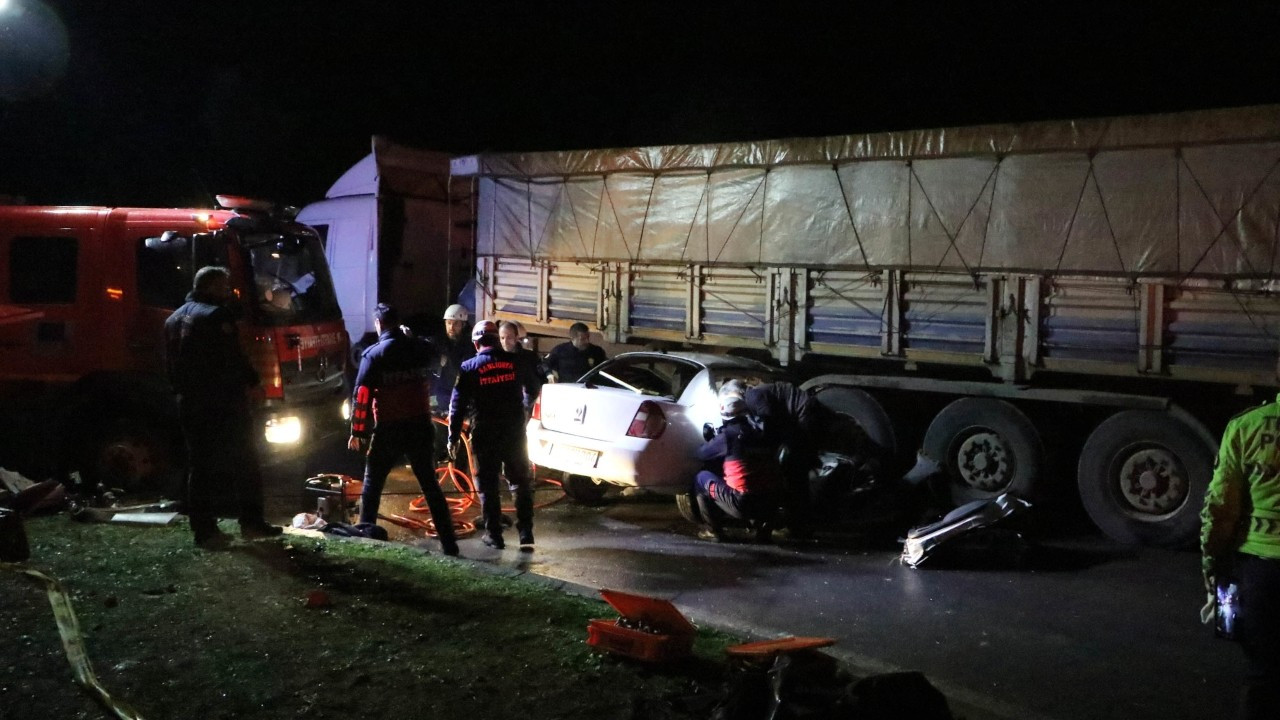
(635, 420)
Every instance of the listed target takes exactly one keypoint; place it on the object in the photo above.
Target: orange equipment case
(671, 637)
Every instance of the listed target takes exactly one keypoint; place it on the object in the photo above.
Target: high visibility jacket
(393, 383)
(1242, 508)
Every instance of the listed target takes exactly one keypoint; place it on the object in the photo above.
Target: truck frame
(1030, 305)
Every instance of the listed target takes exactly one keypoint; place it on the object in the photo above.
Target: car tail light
(537, 408)
(649, 421)
(262, 355)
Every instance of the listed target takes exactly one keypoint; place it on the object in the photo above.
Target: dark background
(165, 103)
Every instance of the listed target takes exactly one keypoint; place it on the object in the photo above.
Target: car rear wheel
(583, 490)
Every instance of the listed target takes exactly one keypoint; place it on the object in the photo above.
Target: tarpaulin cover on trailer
(1195, 193)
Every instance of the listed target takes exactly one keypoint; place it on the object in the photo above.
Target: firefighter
(1240, 540)
(454, 348)
(571, 360)
(391, 414)
(743, 478)
(213, 378)
(490, 386)
(792, 420)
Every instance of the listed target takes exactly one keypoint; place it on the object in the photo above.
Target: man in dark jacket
(749, 478)
(391, 412)
(528, 364)
(791, 417)
(212, 377)
(490, 386)
(455, 348)
(569, 361)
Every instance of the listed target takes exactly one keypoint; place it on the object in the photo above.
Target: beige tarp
(1194, 193)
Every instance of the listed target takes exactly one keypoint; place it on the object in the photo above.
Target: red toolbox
(650, 629)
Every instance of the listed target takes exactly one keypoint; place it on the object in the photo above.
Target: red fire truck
(82, 371)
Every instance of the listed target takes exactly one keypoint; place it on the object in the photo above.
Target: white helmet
(456, 312)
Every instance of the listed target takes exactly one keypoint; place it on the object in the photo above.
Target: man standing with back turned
(492, 385)
(391, 412)
(212, 377)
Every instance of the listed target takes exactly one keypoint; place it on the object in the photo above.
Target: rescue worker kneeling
(749, 483)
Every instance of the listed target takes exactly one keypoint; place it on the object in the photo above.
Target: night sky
(139, 103)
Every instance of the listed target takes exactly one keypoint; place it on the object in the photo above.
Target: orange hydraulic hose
(467, 495)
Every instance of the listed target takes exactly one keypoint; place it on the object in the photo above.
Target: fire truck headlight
(346, 410)
(284, 430)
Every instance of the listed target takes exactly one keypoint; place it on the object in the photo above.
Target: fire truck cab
(82, 366)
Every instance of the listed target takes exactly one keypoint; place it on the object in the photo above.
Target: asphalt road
(1082, 628)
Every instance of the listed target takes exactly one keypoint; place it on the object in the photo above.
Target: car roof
(707, 360)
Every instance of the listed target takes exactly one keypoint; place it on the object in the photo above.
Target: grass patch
(179, 632)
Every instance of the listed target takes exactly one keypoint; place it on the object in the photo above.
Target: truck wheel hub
(1152, 483)
(984, 462)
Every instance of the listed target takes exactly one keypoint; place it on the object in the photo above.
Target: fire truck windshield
(291, 281)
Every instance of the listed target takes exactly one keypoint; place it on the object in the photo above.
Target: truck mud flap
(966, 522)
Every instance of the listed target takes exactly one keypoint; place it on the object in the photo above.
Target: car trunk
(591, 412)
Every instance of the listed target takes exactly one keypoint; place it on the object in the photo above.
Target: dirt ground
(181, 633)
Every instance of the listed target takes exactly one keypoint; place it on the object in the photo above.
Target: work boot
(213, 540)
(258, 530)
(764, 533)
(493, 541)
(714, 529)
(526, 537)
(449, 547)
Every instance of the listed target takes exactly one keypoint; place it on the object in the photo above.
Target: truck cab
(84, 366)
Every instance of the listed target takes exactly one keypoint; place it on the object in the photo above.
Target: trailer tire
(687, 504)
(583, 490)
(1143, 475)
(986, 447)
(867, 412)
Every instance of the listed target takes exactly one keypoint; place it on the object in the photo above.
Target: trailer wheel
(986, 447)
(688, 507)
(1143, 475)
(583, 490)
(867, 412)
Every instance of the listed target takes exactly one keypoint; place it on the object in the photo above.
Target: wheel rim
(1152, 483)
(125, 462)
(984, 462)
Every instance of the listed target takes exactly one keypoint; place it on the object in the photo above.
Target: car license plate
(581, 457)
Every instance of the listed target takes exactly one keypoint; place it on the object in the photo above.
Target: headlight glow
(284, 430)
(346, 410)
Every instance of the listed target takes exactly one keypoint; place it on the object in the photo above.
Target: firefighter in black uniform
(212, 377)
(491, 385)
(793, 418)
(393, 386)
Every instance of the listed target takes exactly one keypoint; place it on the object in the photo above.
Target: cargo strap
(73, 642)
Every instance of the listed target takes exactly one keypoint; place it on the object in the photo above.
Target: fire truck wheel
(583, 490)
(688, 508)
(127, 455)
(986, 447)
(1143, 475)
